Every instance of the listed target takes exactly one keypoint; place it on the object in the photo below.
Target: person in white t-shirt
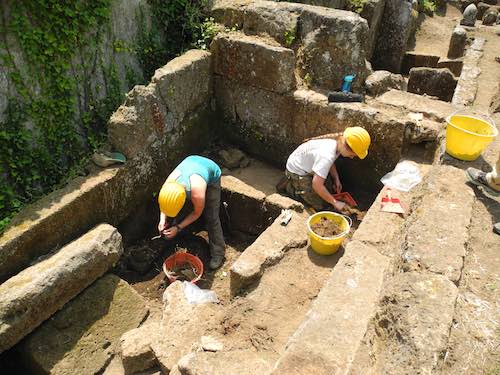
(308, 167)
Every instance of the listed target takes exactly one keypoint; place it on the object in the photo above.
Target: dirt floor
(433, 34)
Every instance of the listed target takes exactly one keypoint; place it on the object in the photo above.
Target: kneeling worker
(198, 179)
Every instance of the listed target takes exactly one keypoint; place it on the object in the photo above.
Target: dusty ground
(433, 34)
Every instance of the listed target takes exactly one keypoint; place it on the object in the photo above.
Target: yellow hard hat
(358, 140)
(171, 198)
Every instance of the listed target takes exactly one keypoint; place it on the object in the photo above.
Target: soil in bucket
(183, 272)
(326, 228)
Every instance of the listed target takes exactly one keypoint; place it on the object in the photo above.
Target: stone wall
(156, 126)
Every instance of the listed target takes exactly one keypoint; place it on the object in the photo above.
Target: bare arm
(336, 178)
(318, 185)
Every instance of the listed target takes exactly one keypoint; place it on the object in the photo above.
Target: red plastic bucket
(179, 259)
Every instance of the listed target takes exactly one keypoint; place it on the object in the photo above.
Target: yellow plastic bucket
(328, 245)
(468, 135)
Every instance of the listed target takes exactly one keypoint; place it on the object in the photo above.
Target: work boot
(216, 262)
(496, 228)
(478, 178)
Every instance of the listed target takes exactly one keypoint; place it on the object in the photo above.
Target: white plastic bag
(404, 177)
(195, 295)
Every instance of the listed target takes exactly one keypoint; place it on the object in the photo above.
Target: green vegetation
(55, 115)
(356, 5)
(290, 36)
(428, 6)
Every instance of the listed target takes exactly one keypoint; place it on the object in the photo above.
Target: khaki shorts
(300, 188)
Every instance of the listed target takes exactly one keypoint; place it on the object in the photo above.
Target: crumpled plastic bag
(404, 176)
(195, 295)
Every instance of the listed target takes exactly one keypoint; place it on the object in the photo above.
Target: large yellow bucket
(468, 135)
(328, 245)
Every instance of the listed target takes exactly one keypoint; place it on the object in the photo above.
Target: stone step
(82, 337)
(267, 250)
(437, 231)
(327, 339)
(33, 295)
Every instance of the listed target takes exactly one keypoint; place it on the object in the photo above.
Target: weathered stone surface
(253, 61)
(458, 41)
(53, 220)
(138, 122)
(150, 113)
(245, 206)
(481, 10)
(136, 352)
(339, 316)
(211, 344)
(431, 242)
(417, 60)
(466, 90)
(268, 249)
(180, 326)
(175, 82)
(82, 337)
(435, 109)
(398, 26)
(411, 327)
(232, 158)
(435, 82)
(455, 66)
(490, 17)
(241, 362)
(382, 81)
(495, 101)
(469, 16)
(33, 295)
(334, 45)
(283, 202)
(336, 4)
(372, 12)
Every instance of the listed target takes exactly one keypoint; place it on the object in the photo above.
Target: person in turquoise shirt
(198, 179)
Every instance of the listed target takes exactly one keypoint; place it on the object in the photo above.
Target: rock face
(254, 62)
(33, 295)
(372, 12)
(413, 323)
(382, 81)
(82, 337)
(398, 26)
(418, 60)
(154, 112)
(455, 66)
(481, 10)
(435, 82)
(469, 16)
(490, 17)
(457, 43)
(136, 352)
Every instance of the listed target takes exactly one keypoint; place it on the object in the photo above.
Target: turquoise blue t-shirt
(199, 165)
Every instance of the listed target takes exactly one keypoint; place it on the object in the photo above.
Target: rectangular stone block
(417, 60)
(85, 334)
(185, 83)
(397, 26)
(455, 65)
(269, 248)
(436, 240)
(372, 12)
(33, 295)
(327, 339)
(254, 61)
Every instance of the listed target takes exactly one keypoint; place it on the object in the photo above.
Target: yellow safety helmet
(171, 198)
(358, 140)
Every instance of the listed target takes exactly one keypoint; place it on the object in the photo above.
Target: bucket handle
(465, 110)
(349, 220)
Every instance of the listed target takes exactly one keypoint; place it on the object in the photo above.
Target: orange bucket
(180, 259)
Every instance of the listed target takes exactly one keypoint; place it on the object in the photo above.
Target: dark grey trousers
(212, 220)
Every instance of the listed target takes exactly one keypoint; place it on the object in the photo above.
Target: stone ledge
(332, 330)
(33, 295)
(268, 249)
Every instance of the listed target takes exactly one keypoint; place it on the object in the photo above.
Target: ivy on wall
(41, 145)
(55, 117)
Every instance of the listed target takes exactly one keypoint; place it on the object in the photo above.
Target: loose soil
(326, 228)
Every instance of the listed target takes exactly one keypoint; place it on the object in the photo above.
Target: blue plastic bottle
(346, 85)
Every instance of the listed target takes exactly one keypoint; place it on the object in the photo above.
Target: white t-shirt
(314, 156)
